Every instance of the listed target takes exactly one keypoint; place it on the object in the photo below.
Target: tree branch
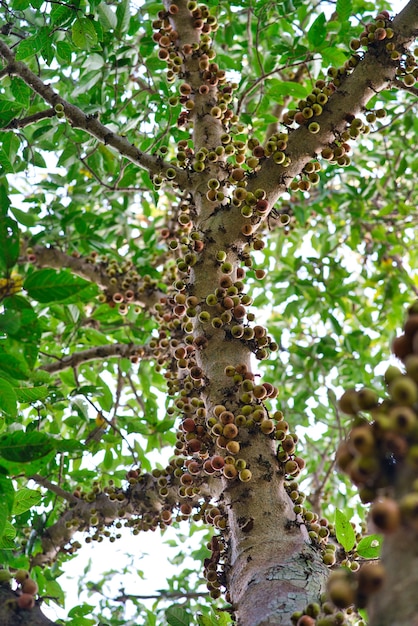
(89, 123)
(374, 73)
(44, 482)
(30, 119)
(145, 295)
(122, 350)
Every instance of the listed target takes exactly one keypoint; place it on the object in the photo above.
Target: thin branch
(30, 119)
(92, 354)
(44, 482)
(89, 123)
(94, 272)
(162, 596)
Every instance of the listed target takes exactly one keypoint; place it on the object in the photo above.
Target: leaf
(20, 5)
(177, 616)
(25, 499)
(9, 237)
(107, 17)
(13, 365)
(333, 56)
(7, 494)
(23, 218)
(83, 33)
(8, 399)
(61, 14)
(7, 540)
(32, 45)
(369, 547)
(123, 16)
(5, 162)
(50, 286)
(21, 91)
(317, 32)
(286, 88)
(31, 394)
(64, 51)
(24, 447)
(344, 9)
(344, 531)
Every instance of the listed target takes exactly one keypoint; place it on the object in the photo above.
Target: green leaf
(107, 17)
(20, 5)
(344, 531)
(83, 33)
(23, 218)
(8, 110)
(7, 494)
(317, 32)
(123, 16)
(8, 399)
(51, 286)
(25, 499)
(13, 365)
(278, 87)
(369, 547)
(9, 237)
(31, 394)
(333, 56)
(24, 447)
(21, 91)
(344, 9)
(7, 539)
(177, 616)
(61, 14)
(64, 52)
(5, 162)
(32, 45)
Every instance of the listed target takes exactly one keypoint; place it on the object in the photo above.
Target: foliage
(78, 216)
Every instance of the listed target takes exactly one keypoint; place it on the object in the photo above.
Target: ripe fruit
(26, 601)
(370, 578)
(30, 586)
(385, 514)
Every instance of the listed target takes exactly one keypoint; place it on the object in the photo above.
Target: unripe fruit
(314, 127)
(245, 475)
(404, 390)
(341, 593)
(348, 403)
(5, 576)
(21, 575)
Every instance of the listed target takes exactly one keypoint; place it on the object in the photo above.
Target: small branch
(31, 119)
(92, 354)
(44, 482)
(89, 123)
(94, 272)
(162, 596)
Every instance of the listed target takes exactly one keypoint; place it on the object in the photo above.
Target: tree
(172, 175)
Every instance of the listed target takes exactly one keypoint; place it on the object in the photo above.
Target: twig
(92, 354)
(44, 482)
(89, 123)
